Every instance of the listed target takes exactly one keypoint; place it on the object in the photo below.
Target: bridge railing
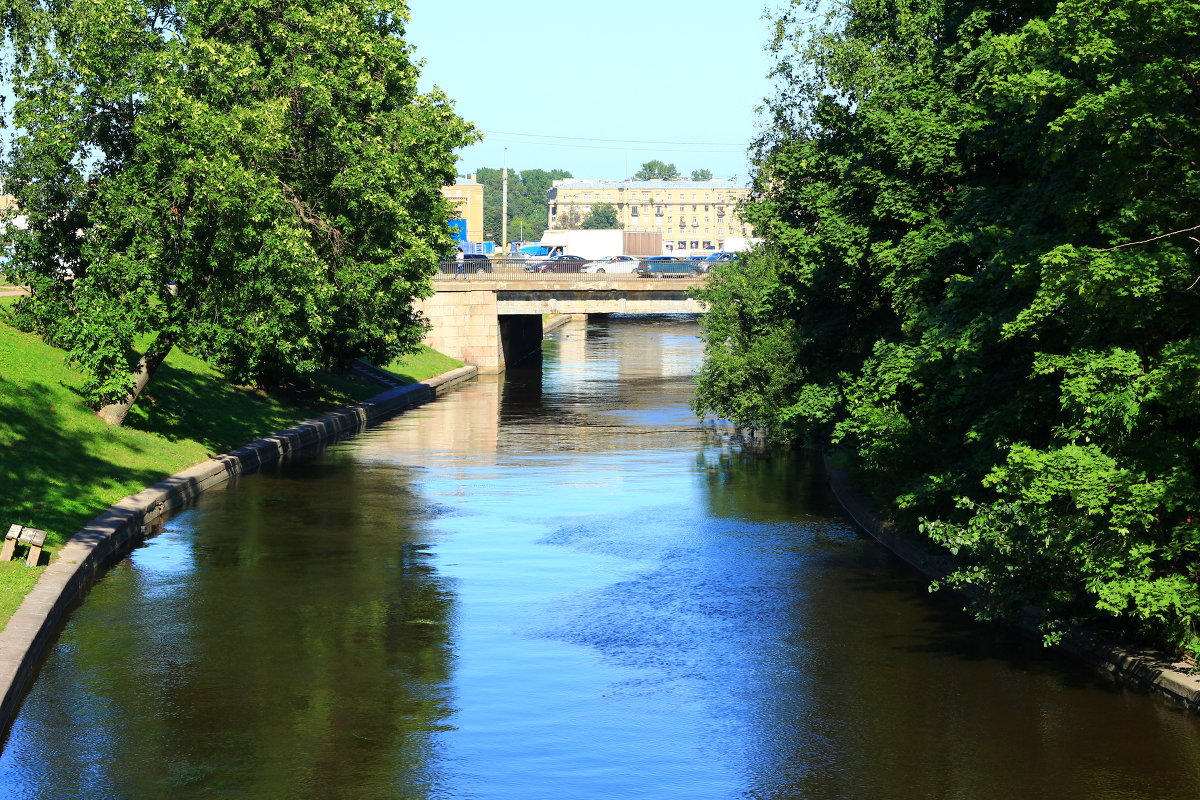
(539, 270)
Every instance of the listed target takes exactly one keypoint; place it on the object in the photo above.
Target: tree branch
(1146, 241)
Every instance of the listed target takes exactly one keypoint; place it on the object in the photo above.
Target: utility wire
(602, 147)
(620, 141)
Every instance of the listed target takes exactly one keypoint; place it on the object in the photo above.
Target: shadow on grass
(184, 404)
(49, 468)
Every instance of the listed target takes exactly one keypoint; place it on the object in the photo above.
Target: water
(557, 586)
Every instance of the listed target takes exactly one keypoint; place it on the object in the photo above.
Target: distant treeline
(526, 201)
(981, 282)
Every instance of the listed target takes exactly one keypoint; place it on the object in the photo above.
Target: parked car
(720, 256)
(611, 264)
(472, 262)
(559, 264)
(668, 267)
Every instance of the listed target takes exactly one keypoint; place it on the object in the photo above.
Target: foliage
(979, 278)
(526, 201)
(603, 216)
(60, 465)
(569, 218)
(255, 182)
(701, 175)
(654, 170)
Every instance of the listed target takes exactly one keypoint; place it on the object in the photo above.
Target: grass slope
(60, 465)
(423, 364)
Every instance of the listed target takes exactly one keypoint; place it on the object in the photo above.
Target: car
(472, 262)
(720, 256)
(668, 267)
(611, 264)
(559, 264)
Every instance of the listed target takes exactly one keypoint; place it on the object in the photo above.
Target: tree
(701, 175)
(258, 184)
(979, 280)
(569, 219)
(653, 170)
(526, 201)
(603, 216)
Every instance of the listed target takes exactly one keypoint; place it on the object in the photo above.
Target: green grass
(421, 365)
(16, 580)
(60, 465)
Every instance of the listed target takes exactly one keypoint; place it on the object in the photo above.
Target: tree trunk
(114, 413)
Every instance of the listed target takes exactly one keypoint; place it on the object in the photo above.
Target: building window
(670, 219)
(658, 211)
(633, 211)
(708, 244)
(695, 245)
(682, 245)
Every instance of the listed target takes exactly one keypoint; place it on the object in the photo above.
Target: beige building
(690, 215)
(467, 196)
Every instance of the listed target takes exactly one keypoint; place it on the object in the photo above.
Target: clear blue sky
(612, 73)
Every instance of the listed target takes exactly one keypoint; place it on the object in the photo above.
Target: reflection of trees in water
(758, 482)
(301, 649)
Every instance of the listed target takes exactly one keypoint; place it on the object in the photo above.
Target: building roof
(682, 183)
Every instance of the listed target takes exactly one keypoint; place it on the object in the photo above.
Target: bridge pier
(466, 326)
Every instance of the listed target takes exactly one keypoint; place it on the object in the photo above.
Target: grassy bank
(421, 365)
(60, 465)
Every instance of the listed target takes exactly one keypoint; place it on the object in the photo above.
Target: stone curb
(121, 527)
(1148, 670)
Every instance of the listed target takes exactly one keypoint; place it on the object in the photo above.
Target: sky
(598, 88)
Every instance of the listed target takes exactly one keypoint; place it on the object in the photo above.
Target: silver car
(615, 264)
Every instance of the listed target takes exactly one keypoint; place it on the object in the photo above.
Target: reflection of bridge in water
(491, 320)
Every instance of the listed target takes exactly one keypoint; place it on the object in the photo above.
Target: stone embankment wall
(119, 529)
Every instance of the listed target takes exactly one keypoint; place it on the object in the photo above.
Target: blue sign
(458, 230)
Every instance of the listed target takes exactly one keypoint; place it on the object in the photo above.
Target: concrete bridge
(494, 321)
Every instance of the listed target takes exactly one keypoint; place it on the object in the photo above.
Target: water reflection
(557, 585)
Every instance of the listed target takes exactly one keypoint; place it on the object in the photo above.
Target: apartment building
(467, 196)
(690, 215)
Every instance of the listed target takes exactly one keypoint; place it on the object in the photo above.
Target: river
(557, 585)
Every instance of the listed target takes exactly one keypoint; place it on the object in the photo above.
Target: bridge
(493, 320)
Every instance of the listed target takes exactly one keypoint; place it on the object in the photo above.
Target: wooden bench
(19, 534)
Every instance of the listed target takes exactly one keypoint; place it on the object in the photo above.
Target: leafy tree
(979, 279)
(569, 219)
(652, 170)
(701, 175)
(255, 182)
(603, 216)
(526, 201)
